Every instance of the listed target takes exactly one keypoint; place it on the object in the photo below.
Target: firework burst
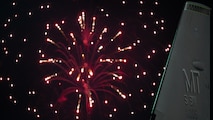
(86, 64)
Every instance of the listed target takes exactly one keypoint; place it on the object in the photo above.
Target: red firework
(85, 65)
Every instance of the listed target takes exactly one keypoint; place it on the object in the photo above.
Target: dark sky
(20, 72)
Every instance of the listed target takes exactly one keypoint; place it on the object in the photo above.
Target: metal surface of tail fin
(184, 90)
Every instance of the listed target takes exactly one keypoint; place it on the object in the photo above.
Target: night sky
(142, 33)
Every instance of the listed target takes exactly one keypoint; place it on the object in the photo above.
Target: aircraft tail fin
(184, 90)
